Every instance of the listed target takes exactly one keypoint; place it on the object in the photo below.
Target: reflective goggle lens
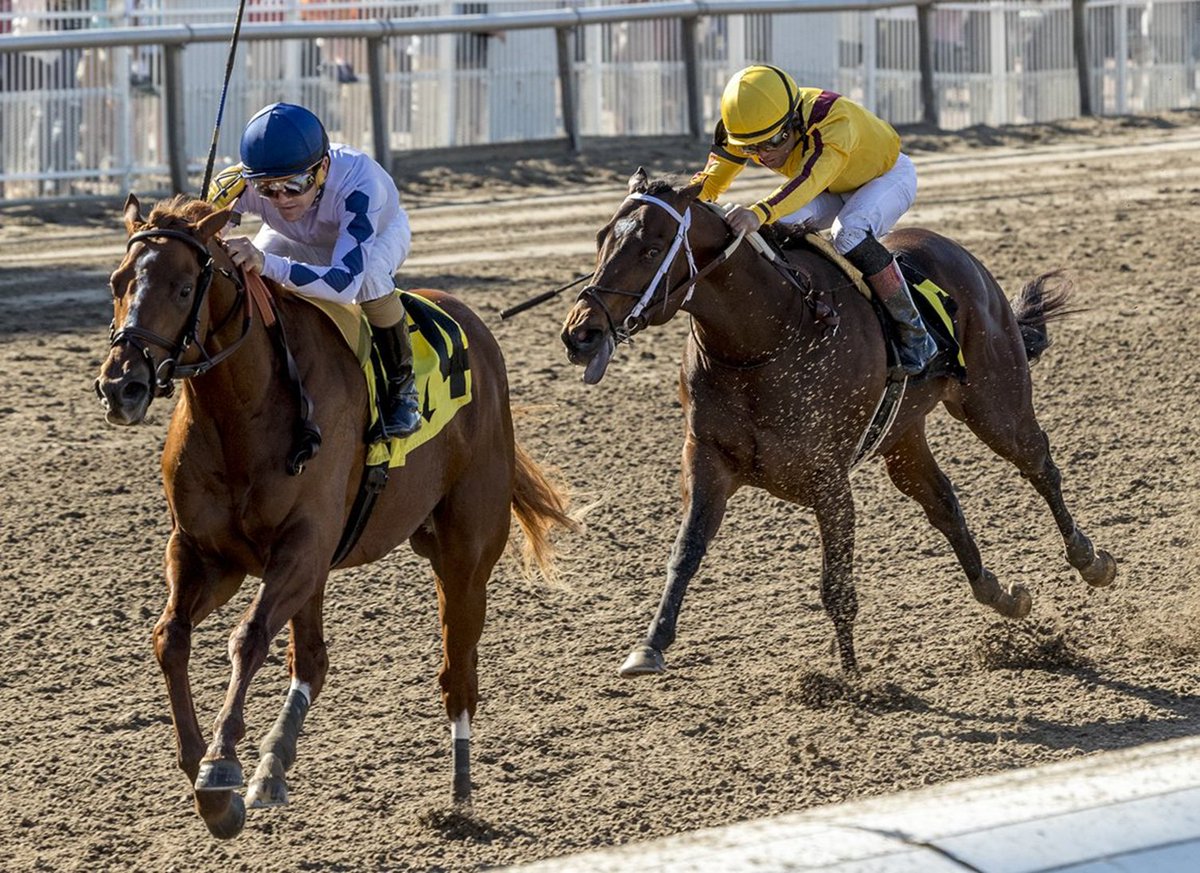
(773, 143)
(293, 186)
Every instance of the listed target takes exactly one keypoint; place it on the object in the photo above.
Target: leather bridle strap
(634, 321)
(170, 368)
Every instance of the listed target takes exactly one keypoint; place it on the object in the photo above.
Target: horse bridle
(636, 319)
(139, 338)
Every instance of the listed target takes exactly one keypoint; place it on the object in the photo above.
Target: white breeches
(872, 209)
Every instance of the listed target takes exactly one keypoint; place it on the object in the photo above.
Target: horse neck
(745, 309)
(244, 382)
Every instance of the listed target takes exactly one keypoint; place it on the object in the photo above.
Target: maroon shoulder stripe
(822, 105)
(783, 193)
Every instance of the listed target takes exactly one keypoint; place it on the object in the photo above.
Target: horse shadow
(1177, 712)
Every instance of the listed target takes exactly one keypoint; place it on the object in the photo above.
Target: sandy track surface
(750, 719)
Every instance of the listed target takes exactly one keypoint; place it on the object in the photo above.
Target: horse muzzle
(588, 346)
(125, 397)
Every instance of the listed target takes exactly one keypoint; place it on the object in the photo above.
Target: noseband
(636, 319)
(140, 338)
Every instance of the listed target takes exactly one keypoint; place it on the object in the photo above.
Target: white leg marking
(303, 687)
(460, 728)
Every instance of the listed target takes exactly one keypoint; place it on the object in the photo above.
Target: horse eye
(652, 253)
(185, 290)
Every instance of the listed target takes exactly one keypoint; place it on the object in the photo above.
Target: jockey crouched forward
(332, 228)
(844, 172)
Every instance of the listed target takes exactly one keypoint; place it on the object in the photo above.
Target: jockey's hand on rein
(742, 220)
(244, 254)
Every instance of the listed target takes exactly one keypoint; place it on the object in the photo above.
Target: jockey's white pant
(387, 254)
(872, 209)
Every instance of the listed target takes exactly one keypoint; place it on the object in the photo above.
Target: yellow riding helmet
(756, 104)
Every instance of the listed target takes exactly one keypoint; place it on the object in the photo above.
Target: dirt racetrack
(750, 719)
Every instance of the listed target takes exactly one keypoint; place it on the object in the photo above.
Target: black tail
(1035, 307)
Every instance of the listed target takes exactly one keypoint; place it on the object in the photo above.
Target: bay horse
(180, 310)
(771, 401)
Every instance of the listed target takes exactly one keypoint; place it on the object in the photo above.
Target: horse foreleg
(915, 471)
(835, 519)
(308, 662)
(285, 589)
(706, 487)
(195, 589)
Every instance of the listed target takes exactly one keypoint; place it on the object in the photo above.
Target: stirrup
(926, 352)
(403, 416)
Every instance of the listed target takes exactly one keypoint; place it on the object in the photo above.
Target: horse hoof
(1102, 572)
(265, 793)
(230, 824)
(219, 774)
(1018, 603)
(643, 661)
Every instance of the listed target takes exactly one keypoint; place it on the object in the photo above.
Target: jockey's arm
(815, 171)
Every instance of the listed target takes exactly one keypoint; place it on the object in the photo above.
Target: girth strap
(375, 478)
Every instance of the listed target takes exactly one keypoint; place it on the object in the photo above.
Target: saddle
(442, 371)
(936, 307)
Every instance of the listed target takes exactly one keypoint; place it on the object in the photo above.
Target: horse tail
(1036, 306)
(540, 506)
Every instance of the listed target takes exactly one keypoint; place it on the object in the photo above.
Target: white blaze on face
(625, 227)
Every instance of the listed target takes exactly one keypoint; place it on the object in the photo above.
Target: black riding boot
(882, 273)
(401, 408)
(917, 347)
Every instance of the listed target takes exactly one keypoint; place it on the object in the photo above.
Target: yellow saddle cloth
(440, 364)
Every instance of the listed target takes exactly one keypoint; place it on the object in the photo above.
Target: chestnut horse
(771, 401)
(181, 311)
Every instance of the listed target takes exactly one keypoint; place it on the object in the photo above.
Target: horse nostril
(584, 338)
(133, 392)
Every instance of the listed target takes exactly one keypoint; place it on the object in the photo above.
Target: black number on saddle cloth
(452, 362)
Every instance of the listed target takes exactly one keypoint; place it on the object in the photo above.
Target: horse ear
(691, 192)
(133, 214)
(638, 181)
(211, 225)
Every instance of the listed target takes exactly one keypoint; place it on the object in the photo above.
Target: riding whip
(212, 149)
(541, 298)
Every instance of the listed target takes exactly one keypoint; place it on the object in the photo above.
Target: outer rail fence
(89, 109)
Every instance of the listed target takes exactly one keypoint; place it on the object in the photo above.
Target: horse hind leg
(1021, 441)
(915, 471)
(1096, 566)
(463, 542)
(308, 662)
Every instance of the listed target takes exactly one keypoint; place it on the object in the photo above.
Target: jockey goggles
(291, 186)
(767, 144)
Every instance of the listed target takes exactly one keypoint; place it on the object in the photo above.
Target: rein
(636, 319)
(138, 337)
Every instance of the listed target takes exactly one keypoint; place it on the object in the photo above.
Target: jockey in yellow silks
(844, 171)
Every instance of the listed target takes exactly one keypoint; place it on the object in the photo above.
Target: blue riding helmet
(282, 140)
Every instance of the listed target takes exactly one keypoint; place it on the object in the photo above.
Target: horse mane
(787, 236)
(782, 235)
(658, 187)
(180, 212)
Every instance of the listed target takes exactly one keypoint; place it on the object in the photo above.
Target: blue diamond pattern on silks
(338, 279)
(354, 260)
(301, 275)
(360, 227)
